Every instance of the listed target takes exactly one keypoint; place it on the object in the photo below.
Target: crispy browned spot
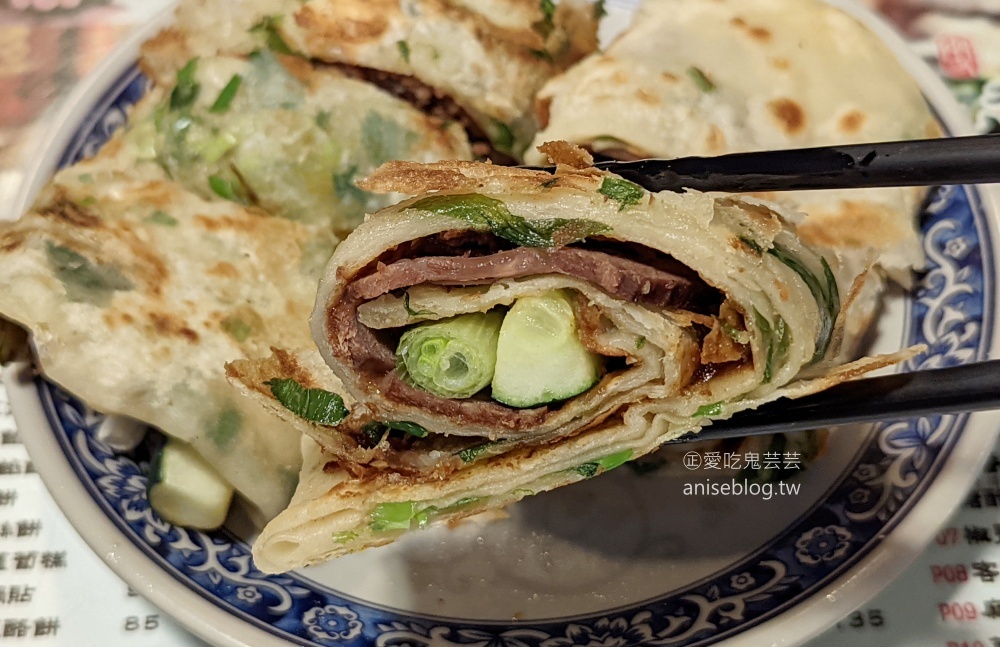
(781, 63)
(155, 195)
(789, 114)
(163, 54)
(590, 323)
(716, 139)
(852, 121)
(145, 264)
(62, 208)
(757, 33)
(669, 76)
(719, 347)
(224, 270)
(165, 324)
(543, 110)
(11, 241)
(620, 77)
(359, 23)
(414, 178)
(223, 223)
(647, 97)
(289, 367)
(298, 67)
(567, 154)
(856, 224)
(782, 290)
(114, 318)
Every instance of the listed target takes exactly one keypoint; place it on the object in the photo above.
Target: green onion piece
(752, 244)
(213, 148)
(453, 358)
(423, 518)
(548, 8)
(404, 49)
(226, 96)
(222, 187)
(84, 280)
(489, 214)
(709, 410)
(411, 428)
(237, 328)
(268, 28)
(617, 459)
(186, 91)
(542, 55)
(226, 428)
(372, 434)
(701, 80)
(640, 342)
(470, 454)
(545, 26)
(315, 405)
(161, 218)
(502, 136)
(605, 464)
(344, 537)
(623, 192)
(410, 311)
(600, 10)
(392, 516)
(825, 292)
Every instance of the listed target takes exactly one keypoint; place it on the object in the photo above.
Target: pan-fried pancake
(691, 77)
(696, 305)
(478, 64)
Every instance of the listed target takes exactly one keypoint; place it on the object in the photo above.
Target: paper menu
(53, 589)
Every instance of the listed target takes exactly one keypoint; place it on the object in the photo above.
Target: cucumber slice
(185, 490)
(539, 356)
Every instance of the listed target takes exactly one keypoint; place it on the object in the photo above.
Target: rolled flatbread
(696, 305)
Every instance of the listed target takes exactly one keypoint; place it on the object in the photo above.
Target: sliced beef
(621, 278)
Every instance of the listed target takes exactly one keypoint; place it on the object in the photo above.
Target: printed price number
(958, 611)
(949, 573)
(137, 623)
(947, 537)
(862, 619)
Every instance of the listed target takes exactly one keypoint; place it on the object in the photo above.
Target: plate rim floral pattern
(339, 619)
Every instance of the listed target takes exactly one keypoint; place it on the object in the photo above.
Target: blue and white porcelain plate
(622, 560)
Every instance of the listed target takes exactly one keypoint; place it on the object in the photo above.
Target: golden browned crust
(567, 154)
(413, 178)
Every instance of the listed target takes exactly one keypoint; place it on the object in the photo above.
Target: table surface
(949, 597)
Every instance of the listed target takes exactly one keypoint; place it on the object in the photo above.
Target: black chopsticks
(957, 389)
(923, 162)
